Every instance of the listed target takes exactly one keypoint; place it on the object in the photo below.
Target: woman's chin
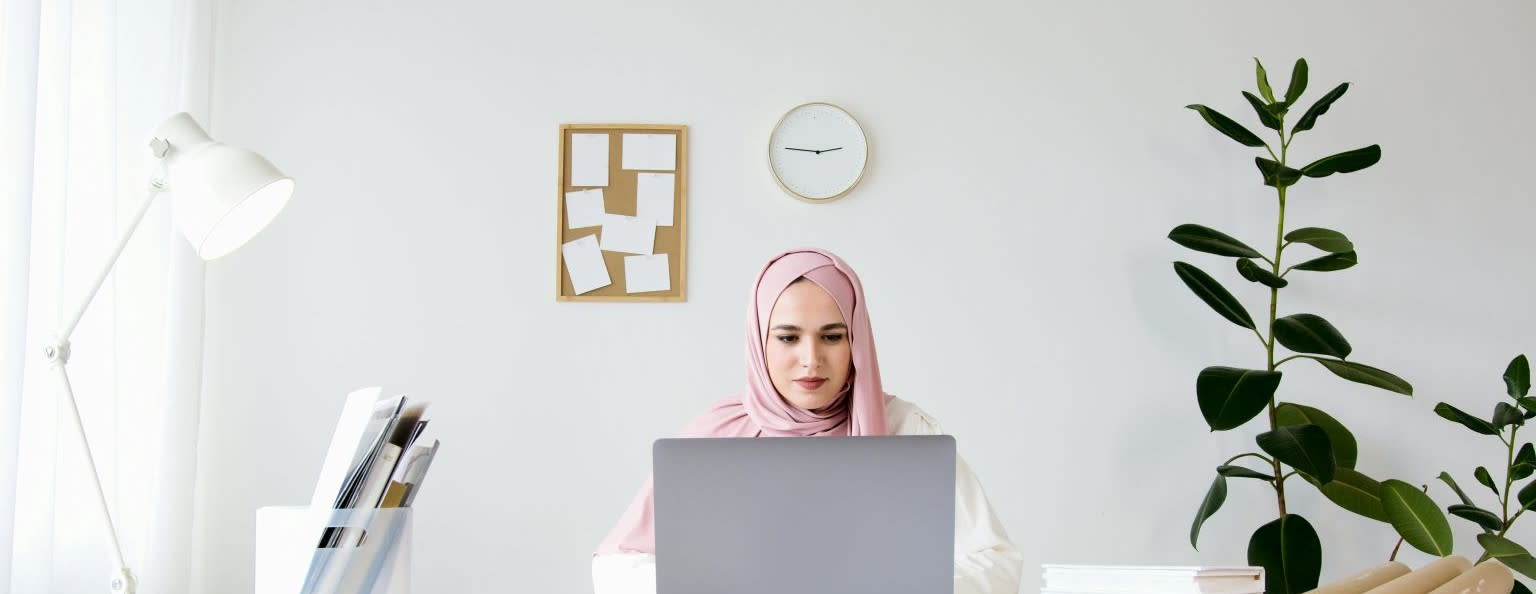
(811, 402)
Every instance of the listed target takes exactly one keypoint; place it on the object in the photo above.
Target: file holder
(372, 557)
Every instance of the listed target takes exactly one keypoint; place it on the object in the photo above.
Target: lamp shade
(223, 195)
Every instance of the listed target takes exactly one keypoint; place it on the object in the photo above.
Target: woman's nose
(810, 356)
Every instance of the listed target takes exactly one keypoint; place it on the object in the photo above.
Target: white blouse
(986, 561)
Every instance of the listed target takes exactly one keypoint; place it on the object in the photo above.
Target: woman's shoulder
(904, 418)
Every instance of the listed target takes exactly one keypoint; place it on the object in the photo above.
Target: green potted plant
(1301, 440)
(1519, 464)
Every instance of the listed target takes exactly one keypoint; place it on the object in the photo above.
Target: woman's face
(807, 352)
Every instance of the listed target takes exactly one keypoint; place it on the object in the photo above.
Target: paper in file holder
(372, 554)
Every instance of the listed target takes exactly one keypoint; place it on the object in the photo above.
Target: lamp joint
(57, 352)
(123, 582)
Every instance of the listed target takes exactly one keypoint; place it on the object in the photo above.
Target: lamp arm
(155, 187)
(57, 353)
(122, 581)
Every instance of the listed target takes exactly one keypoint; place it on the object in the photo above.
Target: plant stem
(1509, 477)
(1235, 458)
(1511, 521)
(1274, 301)
(1282, 361)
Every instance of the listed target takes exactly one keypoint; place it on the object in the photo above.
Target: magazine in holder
(369, 552)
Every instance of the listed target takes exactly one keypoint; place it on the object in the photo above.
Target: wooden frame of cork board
(620, 197)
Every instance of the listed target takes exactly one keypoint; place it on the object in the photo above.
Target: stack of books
(1151, 579)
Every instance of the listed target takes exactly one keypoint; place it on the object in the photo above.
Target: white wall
(1028, 160)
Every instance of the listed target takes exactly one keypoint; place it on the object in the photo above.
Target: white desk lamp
(223, 196)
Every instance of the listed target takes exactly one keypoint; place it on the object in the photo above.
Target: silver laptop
(798, 515)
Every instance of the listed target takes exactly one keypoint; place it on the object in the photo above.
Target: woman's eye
(832, 338)
(788, 338)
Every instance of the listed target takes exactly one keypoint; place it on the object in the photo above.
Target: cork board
(620, 195)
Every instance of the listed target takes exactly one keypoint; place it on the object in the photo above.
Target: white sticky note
(644, 274)
(631, 235)
(589, 160)
(650, 151)
(584, 264)
(584, 208)
(653, 198)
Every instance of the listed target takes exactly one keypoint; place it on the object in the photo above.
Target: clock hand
(790, 148)
(829, 150)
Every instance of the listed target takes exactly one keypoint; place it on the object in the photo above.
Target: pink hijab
(759, 411)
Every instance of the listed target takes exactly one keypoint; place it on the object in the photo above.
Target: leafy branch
(1300, 440)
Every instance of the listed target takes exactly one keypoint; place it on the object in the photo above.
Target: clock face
(818, 152)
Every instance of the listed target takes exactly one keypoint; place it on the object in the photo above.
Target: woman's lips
(810, 383)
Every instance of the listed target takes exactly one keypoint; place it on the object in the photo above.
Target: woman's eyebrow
(794, 328)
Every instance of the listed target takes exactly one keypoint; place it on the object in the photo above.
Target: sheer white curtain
(82, 83)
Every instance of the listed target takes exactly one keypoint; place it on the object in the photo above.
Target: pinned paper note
(631, 235)
(644, 274)
(584, 208)
(650, 151)
(584, 264)
(653, 197)
(589, 160)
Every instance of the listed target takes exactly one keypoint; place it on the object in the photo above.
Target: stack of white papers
(1151, 579)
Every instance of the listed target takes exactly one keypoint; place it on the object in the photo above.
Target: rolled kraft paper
(1365, 580)
(1426, 578)
(1489, 577)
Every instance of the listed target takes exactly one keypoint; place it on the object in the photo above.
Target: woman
(811, 370)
